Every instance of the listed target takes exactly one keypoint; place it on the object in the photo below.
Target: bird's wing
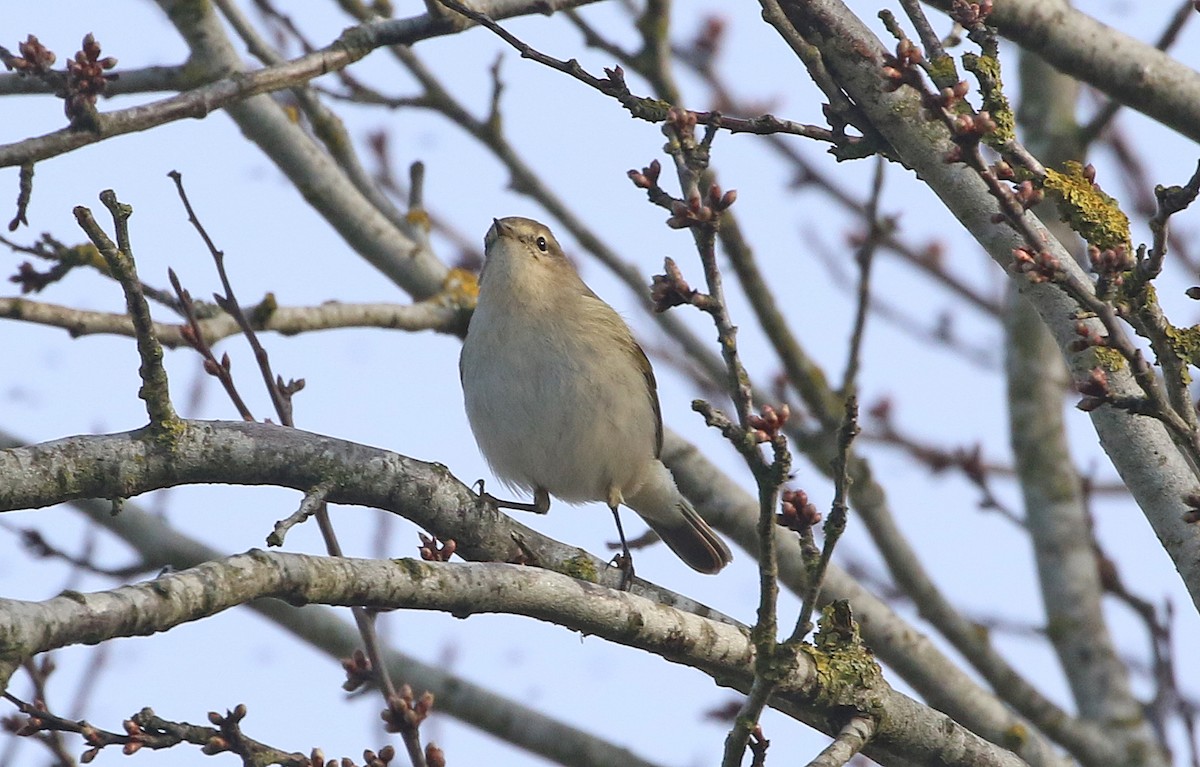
(651, 389)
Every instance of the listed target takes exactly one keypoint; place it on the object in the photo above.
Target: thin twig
(229, 303)
(835, 525)
(399, 712)
(154, 390)
(37, 545)
(194, 336)
(24, 194)
(649, 109)
(441, 314)
(145, 729)
(1171, 200)
(310, 504)
(864, 258)
(932, 42)
(849, 742)
(700, 210)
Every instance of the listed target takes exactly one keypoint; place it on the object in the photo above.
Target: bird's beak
(498, 229)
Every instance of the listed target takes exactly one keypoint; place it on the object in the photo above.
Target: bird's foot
(540, 505)
(624, 563)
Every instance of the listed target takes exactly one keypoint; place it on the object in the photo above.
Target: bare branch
(119, 257)
(1131, 72)
(199, 102)
(653, 110)
(507, 718)
(719, 649)
(853, 736)
(1159, 483)
(441, 315)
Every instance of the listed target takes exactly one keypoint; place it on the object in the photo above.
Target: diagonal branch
(1141, 448)
(1130, 71)
(352, 45)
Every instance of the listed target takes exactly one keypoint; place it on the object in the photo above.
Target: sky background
(400, 390)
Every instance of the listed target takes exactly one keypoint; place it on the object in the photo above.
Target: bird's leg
(540, 505)
(624, 560)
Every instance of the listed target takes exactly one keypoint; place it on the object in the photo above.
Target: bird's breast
(557, 401)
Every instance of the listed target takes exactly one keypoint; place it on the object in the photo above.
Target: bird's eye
(541, 243)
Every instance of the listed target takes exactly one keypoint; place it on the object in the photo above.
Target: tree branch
(242, 453)
(1158, 475)
(506, 718)
(1128, 70)
(1067, 562)
(442, 315)
(907, 730)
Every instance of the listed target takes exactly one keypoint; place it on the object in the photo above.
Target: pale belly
(555, 417)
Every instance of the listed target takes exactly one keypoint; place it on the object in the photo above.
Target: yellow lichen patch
(1109, 359)
(1093, 214)
(418, 217)
(461, 287)
(1185, 342)
(85, 254)
(1015, 737)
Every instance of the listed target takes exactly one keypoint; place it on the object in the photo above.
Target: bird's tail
(660, 504)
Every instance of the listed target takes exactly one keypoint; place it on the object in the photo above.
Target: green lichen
(986, 69)
(648, 109)
(846, 671)
(1109, 359)
(1186, 343)
(261, 314)
(85, 254)
(417, 570)
(168, 431)
(581, 567)
(943, 71)
(1094, 215)
(1175, 348)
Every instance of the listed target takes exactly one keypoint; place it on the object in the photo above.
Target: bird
(562, 400)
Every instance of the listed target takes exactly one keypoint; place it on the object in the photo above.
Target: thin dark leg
(624, 560)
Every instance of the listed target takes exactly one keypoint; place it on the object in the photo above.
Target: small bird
(562, 400)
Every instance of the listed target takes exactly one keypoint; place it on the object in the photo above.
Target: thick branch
(506, 718)
(240, 453)
(1130, 71)
(257, 453)
(1057, 519)
(199, 102)
(1143, 452)
(914, 733)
